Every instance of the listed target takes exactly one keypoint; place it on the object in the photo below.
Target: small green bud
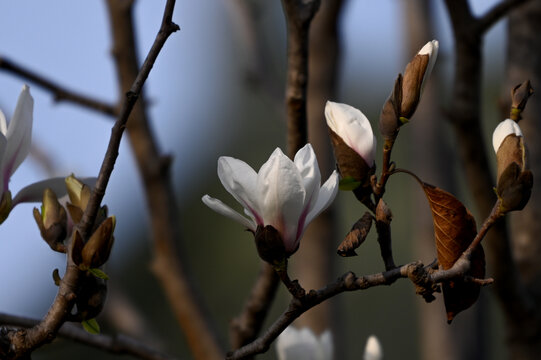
(52, 221)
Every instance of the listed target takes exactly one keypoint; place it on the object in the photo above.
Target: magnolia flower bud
(90, 297)
(519, 98)
(52, 221)
(79, 193)
(270, 245)
(514, 180)
(403, 101)
(98, 248)
(354, 146)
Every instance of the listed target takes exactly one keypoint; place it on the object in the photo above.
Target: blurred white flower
(284, 194)
(15, 140)
(504, 129)
(373, 350)
(293, 344)
(353, 127)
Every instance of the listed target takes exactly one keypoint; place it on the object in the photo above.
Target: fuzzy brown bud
(514, 179)
(98, 248)
(52, 221)
(519, 98)
(270, 245)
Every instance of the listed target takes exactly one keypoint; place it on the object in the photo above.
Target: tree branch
(154, 168)
(299, 15)
(59, 92)
(496, 13)
(22, 342)
(118, 344)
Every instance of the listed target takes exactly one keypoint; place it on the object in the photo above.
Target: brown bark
(524, 62)
(313, 263)
(154, 169)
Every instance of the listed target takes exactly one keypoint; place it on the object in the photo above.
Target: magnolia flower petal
(3, 124)
(239, 179)
(3, 144)
(505, 128)
(34, 192)
(431, 49)
(373, 350)
(225, 210)
(282, 196)
(19, 134)
(327, 344)
(295, 344)
(306, 162)
(353, 127)
(327, 193)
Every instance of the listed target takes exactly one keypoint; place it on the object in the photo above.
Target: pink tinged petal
(431, 49)
(353, 128)
(19, 135)
(239, 179)
(34, 192)
(504, 129)
(282, 197)
(225, 210)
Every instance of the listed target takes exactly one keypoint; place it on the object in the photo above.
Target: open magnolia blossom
(284, 194)
(293, 344)
(15, 139)
(353, 127)
(503, 130)
(373, 350)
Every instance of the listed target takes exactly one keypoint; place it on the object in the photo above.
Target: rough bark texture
(524, 62)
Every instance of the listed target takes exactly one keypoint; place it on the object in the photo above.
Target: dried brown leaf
(356, 236)
(454, 230)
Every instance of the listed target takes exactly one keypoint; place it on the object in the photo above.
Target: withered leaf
(356, 236)
(454, 230)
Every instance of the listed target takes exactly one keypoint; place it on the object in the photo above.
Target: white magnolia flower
(504, 129)
(15, 140)
(353, 127)
(373, 350)
(284, 194)
(293, 344)
(430, 49)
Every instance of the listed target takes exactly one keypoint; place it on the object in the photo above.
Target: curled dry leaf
(454, 230)
(356, 236)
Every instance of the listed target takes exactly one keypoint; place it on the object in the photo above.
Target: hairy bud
(52, 221)
(270, 245)
(514, 179)
(519, 98)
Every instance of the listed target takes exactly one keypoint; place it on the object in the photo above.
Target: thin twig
(117, 344)
(59, 92)
(420, 275)
(167, 263)
(22, 342)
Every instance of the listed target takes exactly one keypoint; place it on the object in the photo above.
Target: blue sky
(71, 45)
